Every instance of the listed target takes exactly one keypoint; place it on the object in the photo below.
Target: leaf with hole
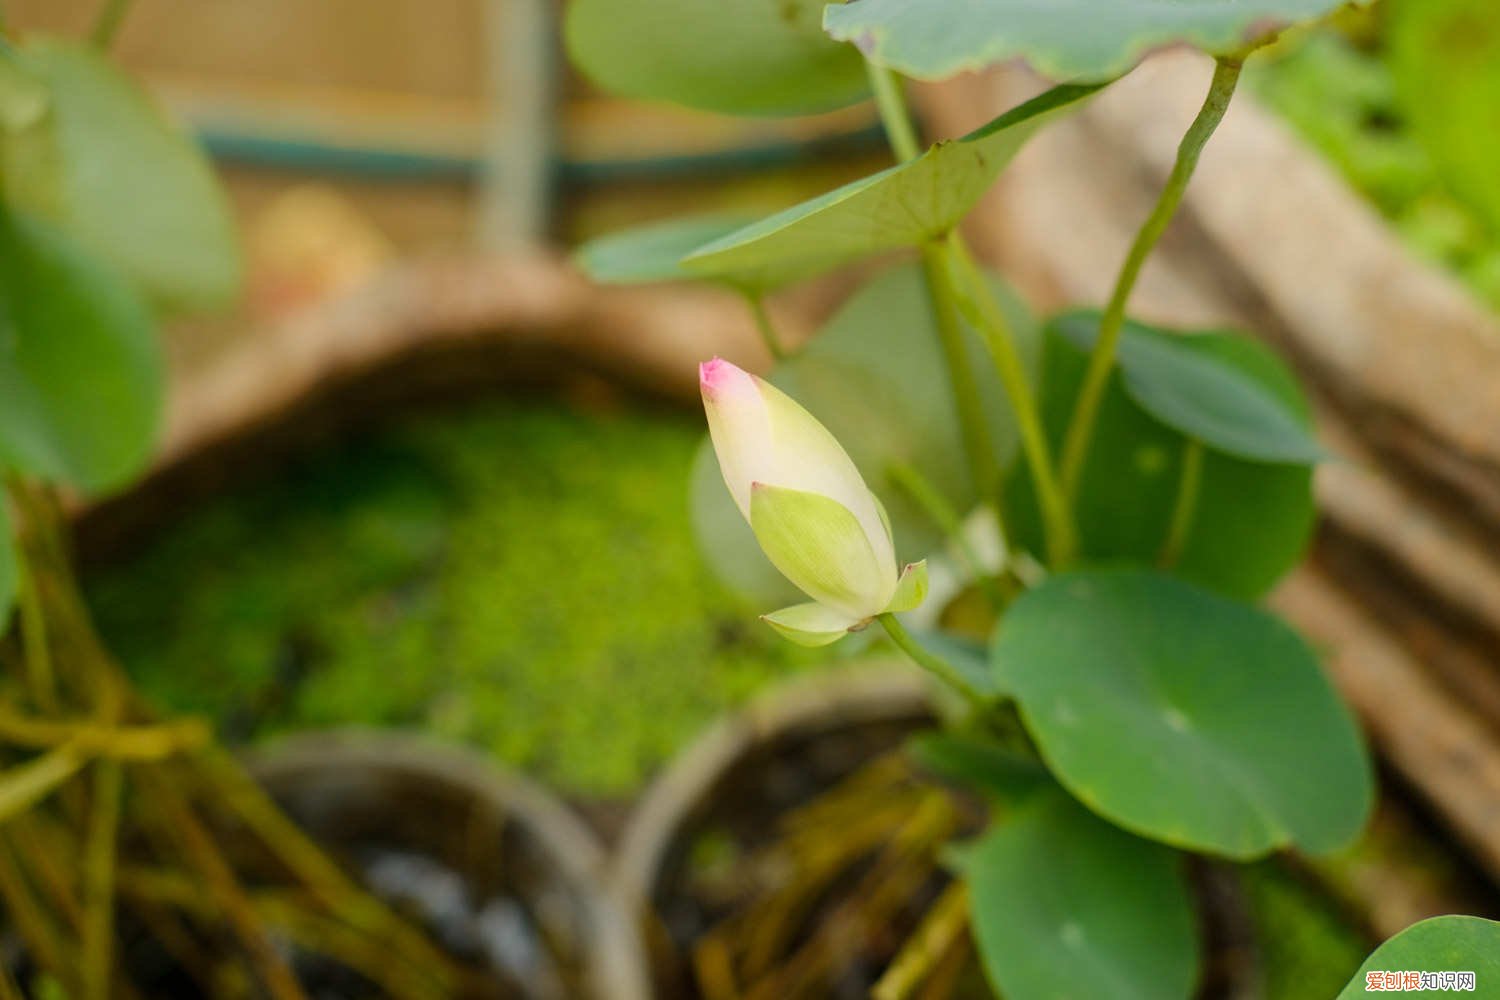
(739, 57)
(81, 374)
(1183, 716)
(1450, 944)
(653, 252)
(1251, 521)
(904, 206)
(110, 168)
(1065, 905)
(1191, 383)
(1061, 39)
(876, 378)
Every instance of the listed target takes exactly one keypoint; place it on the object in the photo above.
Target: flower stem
(108, 24)
(763, 323)
(1090, 396)
(983, 312)
(1186, 507)
(930, 662)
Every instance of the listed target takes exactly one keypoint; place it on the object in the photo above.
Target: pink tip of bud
(719, 376)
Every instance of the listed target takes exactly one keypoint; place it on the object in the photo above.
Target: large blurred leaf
(10, 571)
(1184, 717)
(1188, 383)
(876, 378)
(1445, 56)
(1066, 906)
(1252, 520)
(1450, 944)
(110, 168)
(1062, 39)
(653, 252)
(905, 205)
(81, 374)
(743, 57)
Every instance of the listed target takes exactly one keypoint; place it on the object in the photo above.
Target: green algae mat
(514, 575)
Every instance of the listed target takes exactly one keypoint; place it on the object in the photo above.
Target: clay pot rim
(616, 967)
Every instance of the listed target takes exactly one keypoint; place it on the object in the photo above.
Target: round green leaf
(876, 378)
(1451, 944)
(903, 206)
(1445, 57)
(109, 167)
(740, 57)
(652, 253)
(81, 374)
(1065, 905)
(1252, 520)
(1183, 716)
(1061, 39)
(1193, 383)
(978, 762)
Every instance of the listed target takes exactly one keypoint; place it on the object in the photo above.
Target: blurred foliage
(1338, 92)
(1308, 949)
(516, 576)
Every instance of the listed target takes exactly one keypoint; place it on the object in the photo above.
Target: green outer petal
(911, 588)
(819, 545)
(811, 624)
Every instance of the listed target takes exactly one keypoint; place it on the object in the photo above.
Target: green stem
(37, 654)
(99, 880)
(763, 323)
(941, 513)
(983, 312)
(933, 664)
(979, 447)
(1186, 507)
(108, 24)
(1091, 395)
(899, 130)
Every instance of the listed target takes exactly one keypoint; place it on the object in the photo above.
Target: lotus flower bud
(810, 509)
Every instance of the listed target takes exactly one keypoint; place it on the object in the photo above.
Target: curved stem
(108, 24)
(984, 313)
(1186, 507)
(763, 323)
(979, 446)
(930, 662)
(1086, 410)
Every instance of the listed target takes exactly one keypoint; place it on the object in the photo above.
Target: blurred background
(507, 557)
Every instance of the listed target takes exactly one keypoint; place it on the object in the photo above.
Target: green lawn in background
(515, 575)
